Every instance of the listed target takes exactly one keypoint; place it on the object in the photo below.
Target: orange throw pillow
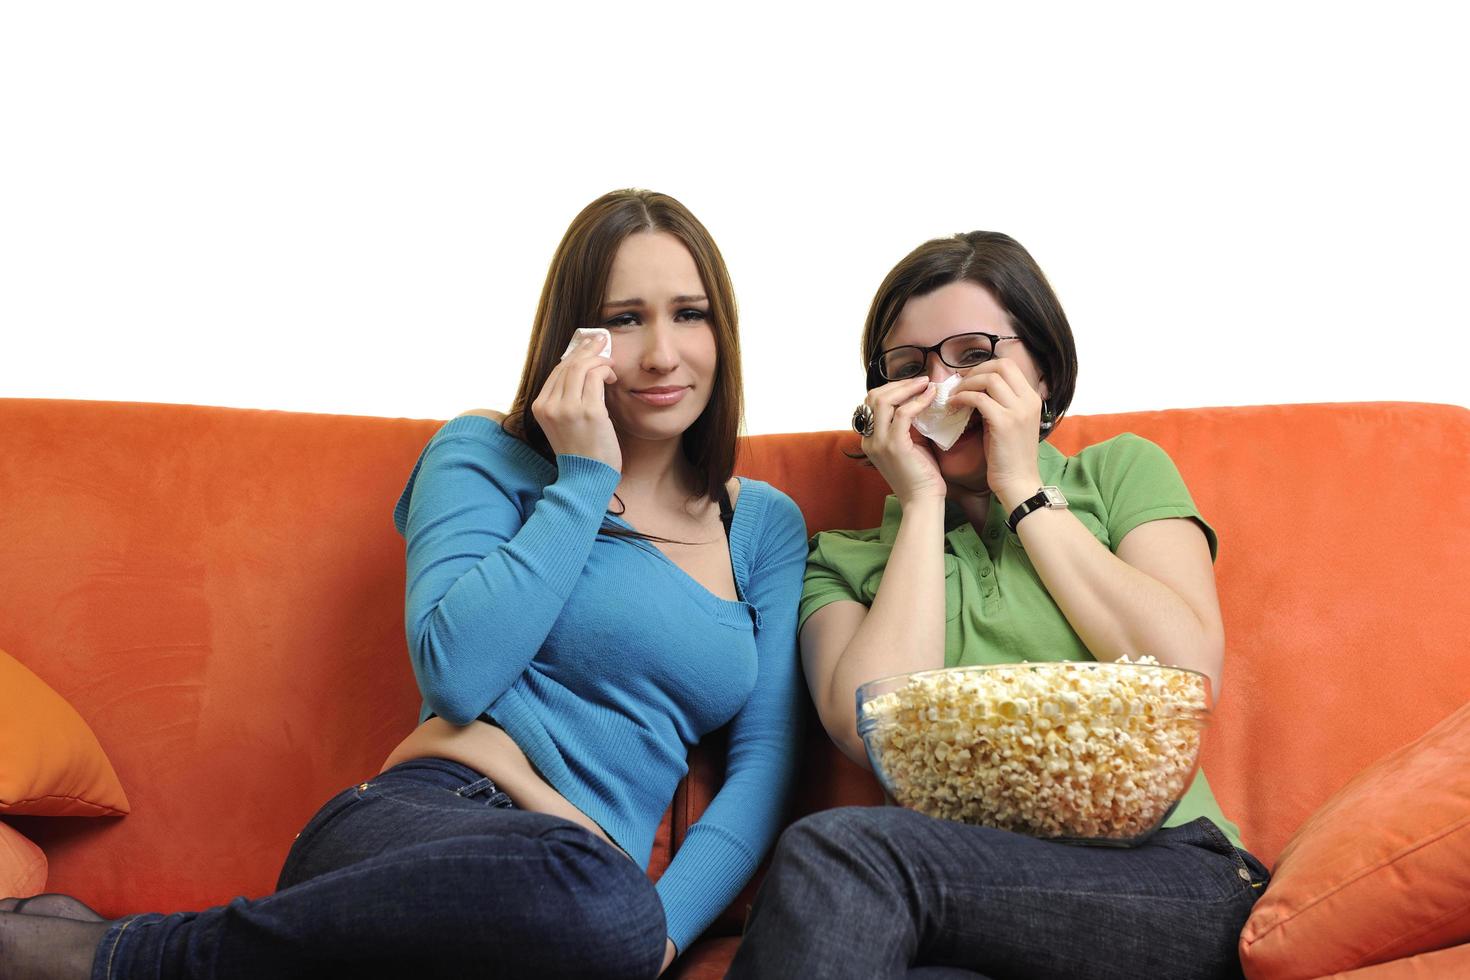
(22, 865)
(1380, 872)
(50, 762)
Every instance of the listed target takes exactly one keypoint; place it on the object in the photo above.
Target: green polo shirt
(996, 608)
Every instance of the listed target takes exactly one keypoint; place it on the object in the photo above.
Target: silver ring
(862, 420)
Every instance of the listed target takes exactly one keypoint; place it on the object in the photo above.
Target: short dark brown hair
(573, 297)
(1007, 271)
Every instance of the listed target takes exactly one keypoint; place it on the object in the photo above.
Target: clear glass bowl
(1084, 752)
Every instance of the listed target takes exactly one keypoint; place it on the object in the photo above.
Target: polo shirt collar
(1051, 462)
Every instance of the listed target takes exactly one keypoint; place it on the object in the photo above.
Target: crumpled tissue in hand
(590, 332)
(942, 422)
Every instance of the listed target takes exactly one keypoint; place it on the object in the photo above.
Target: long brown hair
(1009, 273)
(573, 297)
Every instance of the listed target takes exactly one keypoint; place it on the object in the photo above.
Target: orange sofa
(219, 593)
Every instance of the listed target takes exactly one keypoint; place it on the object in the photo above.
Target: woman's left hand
(1011, 411)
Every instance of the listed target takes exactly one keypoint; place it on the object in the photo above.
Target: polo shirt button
(993, 533)
(985, 573)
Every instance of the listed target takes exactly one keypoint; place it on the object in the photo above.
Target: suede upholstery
(219, 594)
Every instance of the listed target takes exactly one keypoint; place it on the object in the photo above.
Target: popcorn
(1076, 750)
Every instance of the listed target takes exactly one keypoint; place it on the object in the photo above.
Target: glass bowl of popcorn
(1077, 751)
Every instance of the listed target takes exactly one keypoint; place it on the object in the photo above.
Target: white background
(350, 207)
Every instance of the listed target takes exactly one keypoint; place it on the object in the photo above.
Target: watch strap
(1045, 497)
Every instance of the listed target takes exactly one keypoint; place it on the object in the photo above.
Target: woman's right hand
(895, 447)
(572, 406)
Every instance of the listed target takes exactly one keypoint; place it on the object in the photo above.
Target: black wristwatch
(1045, 497)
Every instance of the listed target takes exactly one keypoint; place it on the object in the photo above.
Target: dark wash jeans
(874, 891)
(427, 870)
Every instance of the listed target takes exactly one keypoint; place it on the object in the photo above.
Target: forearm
(723, 848)
(1115, 608)
(482, 598)
(904, 628)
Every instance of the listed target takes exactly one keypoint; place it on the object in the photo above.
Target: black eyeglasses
(963, 350)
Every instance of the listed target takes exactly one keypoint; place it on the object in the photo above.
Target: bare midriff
(489, 751)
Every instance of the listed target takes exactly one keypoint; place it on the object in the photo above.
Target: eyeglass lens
(960, 351)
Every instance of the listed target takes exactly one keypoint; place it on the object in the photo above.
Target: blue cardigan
(601, 658)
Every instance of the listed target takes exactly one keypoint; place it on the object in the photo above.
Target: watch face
(1054, 497)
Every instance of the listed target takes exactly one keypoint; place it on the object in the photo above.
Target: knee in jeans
(844, 830)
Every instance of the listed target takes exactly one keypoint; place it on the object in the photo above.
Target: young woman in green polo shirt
(974, 564)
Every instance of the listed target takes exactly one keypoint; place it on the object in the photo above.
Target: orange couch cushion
(50, 762)
(22, 865)
(1442, 963)
(1380, 871)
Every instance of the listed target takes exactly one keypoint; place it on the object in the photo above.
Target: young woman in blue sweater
(589, 592)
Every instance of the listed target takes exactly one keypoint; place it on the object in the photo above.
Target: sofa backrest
(219, 593)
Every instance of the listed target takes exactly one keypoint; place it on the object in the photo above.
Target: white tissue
(582, 332)
(942, 422)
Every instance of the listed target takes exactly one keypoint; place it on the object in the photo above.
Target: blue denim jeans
(427, 870)
(878, 891)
